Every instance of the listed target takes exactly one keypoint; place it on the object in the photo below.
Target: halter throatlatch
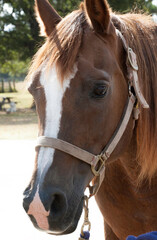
(98, 162)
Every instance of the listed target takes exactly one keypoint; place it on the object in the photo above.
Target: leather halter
(98, 162)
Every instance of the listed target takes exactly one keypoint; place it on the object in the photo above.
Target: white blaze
(54, 93)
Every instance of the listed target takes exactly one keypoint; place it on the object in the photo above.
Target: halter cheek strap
(98, 162)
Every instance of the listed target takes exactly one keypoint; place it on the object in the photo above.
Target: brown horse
(81, 80)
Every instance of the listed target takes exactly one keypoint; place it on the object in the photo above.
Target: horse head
(79, 84)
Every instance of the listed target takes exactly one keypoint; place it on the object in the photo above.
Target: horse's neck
(129, 163)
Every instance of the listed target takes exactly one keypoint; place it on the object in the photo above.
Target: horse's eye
(99, 91)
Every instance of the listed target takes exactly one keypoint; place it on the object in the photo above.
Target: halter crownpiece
(98, 162)
(132, 68)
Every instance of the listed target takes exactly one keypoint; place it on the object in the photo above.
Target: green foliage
(64, 7)
(19, 30)
(133, 5)
(15, 68)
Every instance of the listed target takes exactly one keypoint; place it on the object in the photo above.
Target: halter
(98, 162)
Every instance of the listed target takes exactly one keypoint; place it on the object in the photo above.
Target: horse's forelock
(62, 47)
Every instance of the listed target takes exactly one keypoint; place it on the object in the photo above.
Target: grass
(23, 123)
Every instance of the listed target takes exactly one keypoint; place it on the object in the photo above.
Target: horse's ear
(46, 15)
(98, 12)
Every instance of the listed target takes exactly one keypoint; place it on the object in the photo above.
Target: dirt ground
(19, 125)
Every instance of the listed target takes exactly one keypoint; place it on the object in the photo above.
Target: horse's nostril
(58, 206)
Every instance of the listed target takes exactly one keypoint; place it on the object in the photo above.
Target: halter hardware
(132, 59)
(99, 166)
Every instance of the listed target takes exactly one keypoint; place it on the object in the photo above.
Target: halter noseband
(98, 162)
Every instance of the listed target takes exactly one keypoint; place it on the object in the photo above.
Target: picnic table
(7, 100)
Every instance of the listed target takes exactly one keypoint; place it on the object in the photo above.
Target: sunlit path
(17, 160)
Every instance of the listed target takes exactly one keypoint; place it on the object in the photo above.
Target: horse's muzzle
(50, 211)
(44, 208)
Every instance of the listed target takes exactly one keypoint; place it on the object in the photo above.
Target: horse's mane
(140, 32)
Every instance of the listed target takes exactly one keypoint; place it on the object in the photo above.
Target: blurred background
(19, 40)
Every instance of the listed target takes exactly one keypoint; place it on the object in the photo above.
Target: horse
(94, 82)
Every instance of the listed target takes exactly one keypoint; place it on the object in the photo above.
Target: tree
(66, 6)
(128, 5)
(13, 69)
(19, 30)
(19, 37)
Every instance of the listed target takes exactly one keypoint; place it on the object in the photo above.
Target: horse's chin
(69, 230)
(73, 225)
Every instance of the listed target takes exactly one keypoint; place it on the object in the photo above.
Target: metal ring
(130, 53)
(100, 161)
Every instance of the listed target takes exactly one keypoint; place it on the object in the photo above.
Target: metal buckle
(100, 164)
(132, 59)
